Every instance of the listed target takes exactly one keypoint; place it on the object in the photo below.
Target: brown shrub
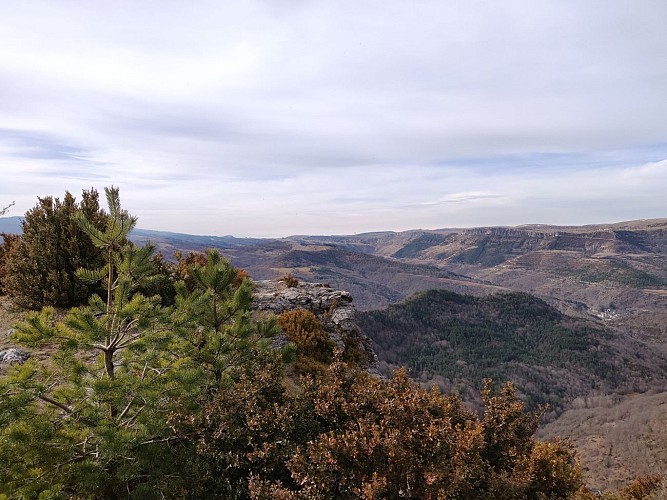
(314, 347)
(289, 280)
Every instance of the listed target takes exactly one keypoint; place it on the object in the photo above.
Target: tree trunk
(108, 362)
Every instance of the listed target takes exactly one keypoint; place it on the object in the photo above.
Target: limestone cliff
(334, 309)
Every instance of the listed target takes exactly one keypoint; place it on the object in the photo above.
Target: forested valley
(456, 340)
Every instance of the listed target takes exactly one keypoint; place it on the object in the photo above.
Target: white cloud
(338, 117)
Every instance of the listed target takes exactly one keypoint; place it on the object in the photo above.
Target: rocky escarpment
(333, 308)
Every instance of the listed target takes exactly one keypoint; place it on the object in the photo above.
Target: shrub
(41, 268)
(289, 280)
(346, 434)
(9, 241)
(314, 347)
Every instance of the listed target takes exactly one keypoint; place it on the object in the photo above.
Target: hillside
(374, 281)
(458, 340)
(616, 437)
(617, 271)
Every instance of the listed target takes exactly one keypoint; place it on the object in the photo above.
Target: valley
(611, 278)
(588, 335)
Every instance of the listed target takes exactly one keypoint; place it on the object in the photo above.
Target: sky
(269, 118)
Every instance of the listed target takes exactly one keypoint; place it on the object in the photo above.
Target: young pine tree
(91, 423)
(216, 311)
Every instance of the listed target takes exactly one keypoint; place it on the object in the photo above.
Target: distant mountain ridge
(189, 241)
(10, 225)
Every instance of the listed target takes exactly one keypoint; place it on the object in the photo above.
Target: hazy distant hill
(168, 242)
(10, 225)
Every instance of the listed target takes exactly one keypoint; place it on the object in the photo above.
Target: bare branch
(125, 410)
(60, 405)
(3, 210)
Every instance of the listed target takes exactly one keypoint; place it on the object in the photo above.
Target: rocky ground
(9, 353)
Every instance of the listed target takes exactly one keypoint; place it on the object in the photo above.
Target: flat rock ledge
(334, 309)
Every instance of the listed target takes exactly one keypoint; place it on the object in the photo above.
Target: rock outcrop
(13, 355)
(333, 308)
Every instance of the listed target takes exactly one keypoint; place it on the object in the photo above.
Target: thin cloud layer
(270, 118)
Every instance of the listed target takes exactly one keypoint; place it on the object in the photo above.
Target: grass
(8, 317)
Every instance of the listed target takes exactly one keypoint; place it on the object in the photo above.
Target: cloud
(337, 116)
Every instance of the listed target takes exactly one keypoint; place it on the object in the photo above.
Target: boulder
(13, 355)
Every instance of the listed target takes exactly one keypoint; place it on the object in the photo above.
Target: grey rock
(13, 355)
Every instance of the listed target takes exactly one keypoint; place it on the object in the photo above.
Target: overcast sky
(279, 117)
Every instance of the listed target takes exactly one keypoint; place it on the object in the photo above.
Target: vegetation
(458, 340)
(143, 399)
(87, 425)
(347, 434)
(40, 268)
(9, 241)
(214, 317)
(313, 346)
(614, 271)
(616, 437)
(289, 280)
(491, 250)
(412, 249)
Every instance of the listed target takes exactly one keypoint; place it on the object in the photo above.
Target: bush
(289, 280)
(40, 269)
(347, 434)
(9, 241)
(314, 347)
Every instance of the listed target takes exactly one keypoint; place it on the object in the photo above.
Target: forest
(152, 377)
(461, 339)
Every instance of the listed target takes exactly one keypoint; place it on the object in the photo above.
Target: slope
(373, 281)
(457, 340)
